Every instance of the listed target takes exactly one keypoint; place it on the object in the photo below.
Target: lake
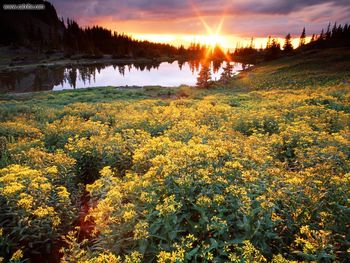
(167, 74)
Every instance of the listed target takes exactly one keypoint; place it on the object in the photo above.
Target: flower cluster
(262, 176)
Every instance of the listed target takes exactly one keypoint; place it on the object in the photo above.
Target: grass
(254, 170)
(309, 71)
(313, 69)
(305, 70)
(91, 95)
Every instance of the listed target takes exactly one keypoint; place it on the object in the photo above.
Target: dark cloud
(283, 6)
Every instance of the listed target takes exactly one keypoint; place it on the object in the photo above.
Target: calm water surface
(167, 74)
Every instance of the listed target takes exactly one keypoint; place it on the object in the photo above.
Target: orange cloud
(184, 20)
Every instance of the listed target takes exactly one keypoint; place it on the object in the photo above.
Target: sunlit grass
(255, 170)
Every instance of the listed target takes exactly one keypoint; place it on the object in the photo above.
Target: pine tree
(328, 33)
(268, 44)
(251, 43)
(334, 30)
(273, 51)
(313, 38)
(288, 47)
(302, 41)
(204, 76)
(227, 73)
(321, 37)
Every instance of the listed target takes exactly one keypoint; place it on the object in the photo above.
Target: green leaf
(190, 254)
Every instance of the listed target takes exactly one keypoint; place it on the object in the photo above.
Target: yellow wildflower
(18, 255)
(134, 257)
(62, 192)
(52, 170)
(12, 188)
(141, 230)
(129, 215)
(43, 211)
(26, 201)
(169, 206)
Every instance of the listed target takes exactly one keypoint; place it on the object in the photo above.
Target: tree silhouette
(329, 32)
(227, 73)
(204, 76)
(274, 49)
(302, 40)
(288, 47)
(321, 36)
(268, 44)
(218, 53)
(313, 38)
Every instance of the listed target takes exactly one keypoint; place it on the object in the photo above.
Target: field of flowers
(186, 176)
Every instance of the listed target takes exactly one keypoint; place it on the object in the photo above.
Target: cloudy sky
(177, 21)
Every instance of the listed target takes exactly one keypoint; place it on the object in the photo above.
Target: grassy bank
(254, 170)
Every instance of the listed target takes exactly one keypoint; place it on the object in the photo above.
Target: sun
(214, 40)
(213, 37)
(210, 40)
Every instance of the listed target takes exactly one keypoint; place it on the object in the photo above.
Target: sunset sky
(207, 21)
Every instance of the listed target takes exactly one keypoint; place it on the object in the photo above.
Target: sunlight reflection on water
(167, 74)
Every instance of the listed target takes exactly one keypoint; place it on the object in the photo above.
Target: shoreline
(86, 61)
(83, 61)
(24, 59)
(96, 88)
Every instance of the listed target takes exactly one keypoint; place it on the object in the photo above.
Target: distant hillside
(31, 28)
(306, 69)
(42, 31)
(336, 36)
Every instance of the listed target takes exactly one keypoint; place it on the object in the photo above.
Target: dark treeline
(209, 53)
(334, 36)
(98, 41)
(43, 32)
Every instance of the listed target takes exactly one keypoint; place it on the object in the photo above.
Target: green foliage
(204, 175)
(204, 76)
